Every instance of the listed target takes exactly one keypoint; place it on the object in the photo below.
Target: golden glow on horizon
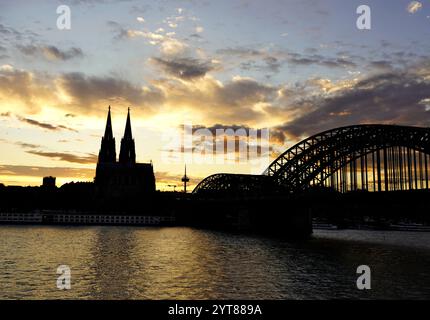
(181, 68)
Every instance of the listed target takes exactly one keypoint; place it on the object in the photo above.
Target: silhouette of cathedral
(125, 176)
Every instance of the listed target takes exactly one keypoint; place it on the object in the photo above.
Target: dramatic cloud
(296, 74)
(51, 52)
(85, 92)
(292, 110)
(68, 157)
(394, 97)
(242, 100)
(23, 89)
(74, 92)
(245, 92)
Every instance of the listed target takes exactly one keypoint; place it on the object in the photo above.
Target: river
(184, 263)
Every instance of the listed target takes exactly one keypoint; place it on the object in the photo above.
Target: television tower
(185, 180)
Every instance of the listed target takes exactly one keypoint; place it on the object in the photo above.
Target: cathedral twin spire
(107, 152)
(127, 154)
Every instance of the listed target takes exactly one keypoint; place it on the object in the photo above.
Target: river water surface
(185, 263)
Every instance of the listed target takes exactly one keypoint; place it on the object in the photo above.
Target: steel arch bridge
(234, 185)
(360, 157)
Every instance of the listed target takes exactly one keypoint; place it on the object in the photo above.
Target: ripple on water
(185, 263)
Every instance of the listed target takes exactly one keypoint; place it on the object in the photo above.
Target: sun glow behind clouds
(183, 65)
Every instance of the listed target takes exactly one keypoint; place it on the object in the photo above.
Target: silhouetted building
(48, 182)
(125, 176)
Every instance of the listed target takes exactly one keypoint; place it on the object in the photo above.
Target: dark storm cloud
(87, 159)
(51, 52)
(183, 68)
(395, 97)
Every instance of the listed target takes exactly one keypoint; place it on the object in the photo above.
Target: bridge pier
(267, 216)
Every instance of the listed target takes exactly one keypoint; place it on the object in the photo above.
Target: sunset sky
(296, 67)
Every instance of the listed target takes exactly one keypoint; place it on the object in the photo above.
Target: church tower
(107, 153)
(124, 177)
(127, 153)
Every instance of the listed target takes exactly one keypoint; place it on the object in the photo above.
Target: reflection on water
(185, 263)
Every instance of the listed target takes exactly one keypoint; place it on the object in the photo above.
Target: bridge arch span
(232, 185)
(366, 157)
(371, 157)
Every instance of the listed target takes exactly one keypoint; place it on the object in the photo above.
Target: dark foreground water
(185, 263)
